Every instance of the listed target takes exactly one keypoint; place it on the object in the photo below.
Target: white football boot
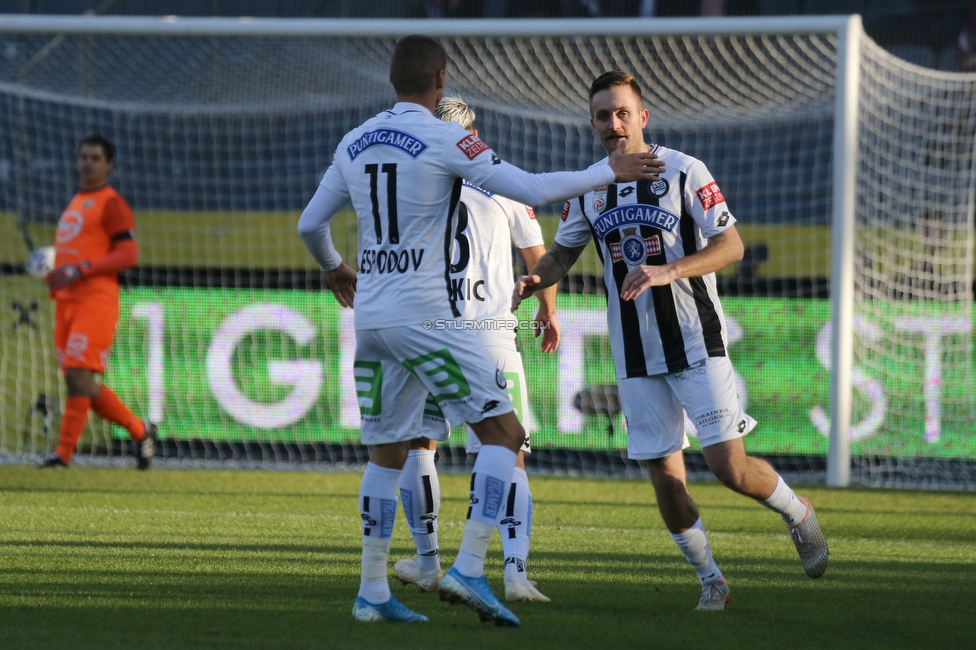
(408, 572)
(714, 597)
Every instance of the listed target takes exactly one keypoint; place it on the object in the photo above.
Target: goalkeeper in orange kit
(94, 241)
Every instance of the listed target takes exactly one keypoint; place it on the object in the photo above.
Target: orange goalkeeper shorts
(83, 333)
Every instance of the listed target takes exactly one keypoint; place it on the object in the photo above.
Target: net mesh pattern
(222, 140)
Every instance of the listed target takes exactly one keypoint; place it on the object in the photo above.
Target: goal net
(228, 339)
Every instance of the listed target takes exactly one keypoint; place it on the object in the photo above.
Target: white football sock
(696, 549)
(378, 505)
(420, 494)
(489, 483)
(783, 501)
(515, 526)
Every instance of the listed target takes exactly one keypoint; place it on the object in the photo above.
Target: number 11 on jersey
(390, 169)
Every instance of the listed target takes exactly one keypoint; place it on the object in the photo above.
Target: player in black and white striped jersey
(660, 243)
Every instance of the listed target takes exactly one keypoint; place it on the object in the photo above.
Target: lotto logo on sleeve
(710, 195)
(531, 212)
(565, 211)
(472, 146)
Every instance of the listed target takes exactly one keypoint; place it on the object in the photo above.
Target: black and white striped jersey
(666, 329)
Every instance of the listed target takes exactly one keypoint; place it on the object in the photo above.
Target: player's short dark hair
(107, 147)
(613, 79)
(416, 61)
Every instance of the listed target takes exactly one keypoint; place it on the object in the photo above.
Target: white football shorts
(502, 348)
(398, 368)
(655, 409)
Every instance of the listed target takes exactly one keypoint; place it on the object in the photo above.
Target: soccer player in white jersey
(402, 172)
(667, 330)
(481, 280)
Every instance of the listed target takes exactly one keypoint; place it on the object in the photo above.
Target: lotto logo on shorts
(472, 146)
(710, 195)
(77, 344)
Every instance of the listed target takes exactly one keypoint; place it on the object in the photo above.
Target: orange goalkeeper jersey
(88, 227)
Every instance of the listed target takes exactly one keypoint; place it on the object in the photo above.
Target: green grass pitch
(110, 558)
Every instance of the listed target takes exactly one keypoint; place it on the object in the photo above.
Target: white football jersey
(666, 329)
(482, 276)
(402, 171)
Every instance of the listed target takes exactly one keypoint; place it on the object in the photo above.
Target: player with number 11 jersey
(402, 171)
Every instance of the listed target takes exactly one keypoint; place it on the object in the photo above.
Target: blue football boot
(476, 594)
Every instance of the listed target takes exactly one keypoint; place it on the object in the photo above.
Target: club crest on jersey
(600, 198)
(637, 215)
(387, 138)
(659, 188)
(633, 248)
(69, 226)
(472, 146)
(710, 195)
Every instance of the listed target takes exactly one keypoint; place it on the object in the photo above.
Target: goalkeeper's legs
(73, 422)
(107, 405)
(85, 393)
(420, 494)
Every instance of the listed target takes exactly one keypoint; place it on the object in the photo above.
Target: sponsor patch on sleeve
(565, 211)
(531, 212)
(710, 195)
(472, 146)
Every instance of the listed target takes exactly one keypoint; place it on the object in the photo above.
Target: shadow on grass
(593, 609)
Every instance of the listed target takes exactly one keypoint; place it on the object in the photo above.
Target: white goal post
(788, 96)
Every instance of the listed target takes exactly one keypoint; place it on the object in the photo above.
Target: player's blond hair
(454, 109)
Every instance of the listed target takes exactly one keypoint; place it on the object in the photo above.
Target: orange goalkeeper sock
(108, 405)
(73, 422)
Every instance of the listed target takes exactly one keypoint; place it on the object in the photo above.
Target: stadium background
(174, 170)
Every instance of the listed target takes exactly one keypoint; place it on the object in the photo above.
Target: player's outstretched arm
(540, 189)
(548, 271)
(545, 323)
(723, 249)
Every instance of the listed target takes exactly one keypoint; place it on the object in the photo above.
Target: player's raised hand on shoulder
(525, 286)
(644, 277)
(547, 325)
(342, 281)
(635, 166)
(62, 276)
